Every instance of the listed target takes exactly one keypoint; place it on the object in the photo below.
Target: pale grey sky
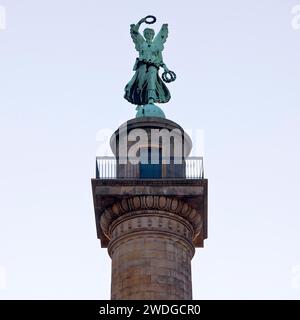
(63, 68)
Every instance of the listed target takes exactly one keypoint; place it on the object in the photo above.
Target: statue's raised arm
(137, 38)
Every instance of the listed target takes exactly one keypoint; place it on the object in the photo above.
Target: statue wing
(137, 38)
(161, 37)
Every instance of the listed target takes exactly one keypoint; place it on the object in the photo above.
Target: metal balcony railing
(107, 167)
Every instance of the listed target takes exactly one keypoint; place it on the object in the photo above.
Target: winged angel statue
(146, 86)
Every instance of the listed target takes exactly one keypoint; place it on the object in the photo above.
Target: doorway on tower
(152, 166)
(150, 163)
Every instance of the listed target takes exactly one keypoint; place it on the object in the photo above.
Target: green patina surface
(149, 110)
(146, 86)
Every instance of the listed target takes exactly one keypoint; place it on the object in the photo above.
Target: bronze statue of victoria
(146, 86)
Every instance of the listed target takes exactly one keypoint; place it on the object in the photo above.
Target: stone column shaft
(151, 248)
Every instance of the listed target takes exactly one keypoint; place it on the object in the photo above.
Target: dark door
(150, 166)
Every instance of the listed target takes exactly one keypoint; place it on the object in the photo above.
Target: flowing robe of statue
(146, 86)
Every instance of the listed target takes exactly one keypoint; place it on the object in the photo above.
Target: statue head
(149, 34)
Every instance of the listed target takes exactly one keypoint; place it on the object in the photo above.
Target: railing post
(97, 169)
